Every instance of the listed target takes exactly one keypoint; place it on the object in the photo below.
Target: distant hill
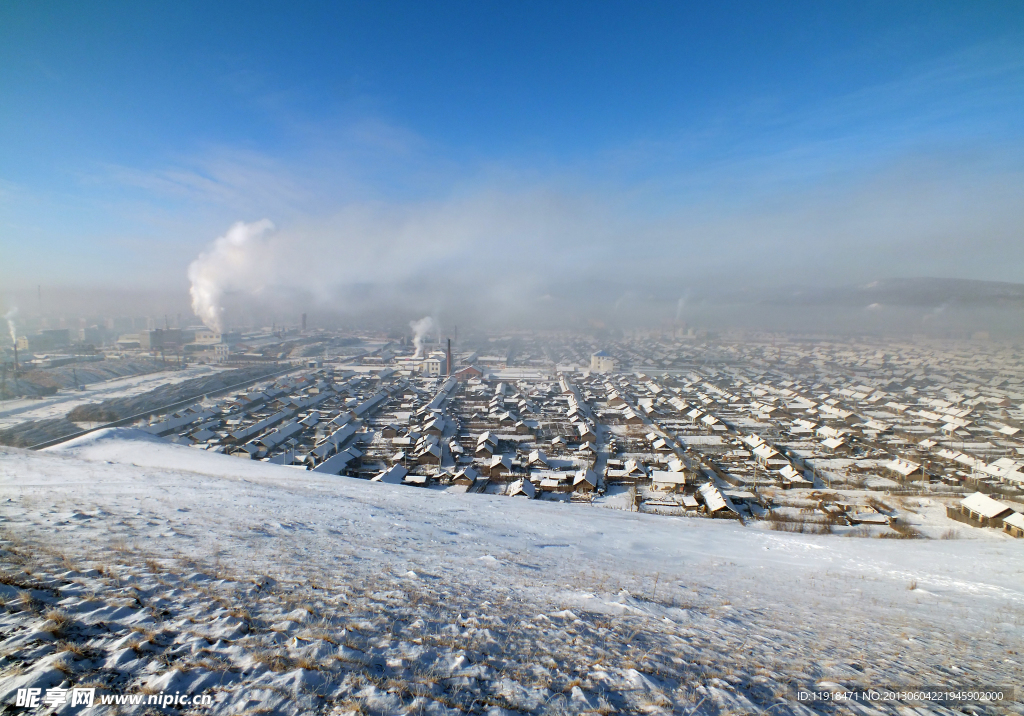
(911, 292)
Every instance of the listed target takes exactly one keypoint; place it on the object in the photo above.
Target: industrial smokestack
(15, 358)
(448, 357)
(303, 321)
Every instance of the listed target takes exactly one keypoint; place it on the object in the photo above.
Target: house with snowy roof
(980, 510)
(1013, 525)
(904, 470)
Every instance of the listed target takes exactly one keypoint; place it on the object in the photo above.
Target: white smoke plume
(9, 317)
(680, 305)
(233, 263)
(421, 329)
(376, 256)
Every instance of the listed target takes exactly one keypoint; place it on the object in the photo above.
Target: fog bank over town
(935, 308)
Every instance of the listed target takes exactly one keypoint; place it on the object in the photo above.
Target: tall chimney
(448, 357)
(15, 357)
(303, 321)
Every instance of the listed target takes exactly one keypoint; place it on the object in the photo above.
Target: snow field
(130, 563)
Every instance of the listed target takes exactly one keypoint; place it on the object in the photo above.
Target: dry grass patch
(57, 621)
(901, 530)
(79, 651)
(308, 663)
(274, 661)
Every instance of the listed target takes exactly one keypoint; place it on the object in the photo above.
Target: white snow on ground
(14, 412)
(131, 564)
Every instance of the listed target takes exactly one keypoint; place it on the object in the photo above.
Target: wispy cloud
(233, 179)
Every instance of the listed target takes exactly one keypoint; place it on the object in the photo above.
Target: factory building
(204, 336)
(159, 338)
(45, 340)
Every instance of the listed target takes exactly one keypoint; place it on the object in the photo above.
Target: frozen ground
(13, 412)
(134, 564)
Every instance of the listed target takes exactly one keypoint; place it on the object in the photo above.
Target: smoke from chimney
(9, 317)
(229, 265)
(680, 305)
(420, 330)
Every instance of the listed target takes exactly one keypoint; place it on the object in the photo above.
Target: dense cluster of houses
(673, 423)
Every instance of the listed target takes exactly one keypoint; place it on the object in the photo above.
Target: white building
(601, 362)
(435, 364)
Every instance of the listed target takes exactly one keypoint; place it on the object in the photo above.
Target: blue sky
(679, 141)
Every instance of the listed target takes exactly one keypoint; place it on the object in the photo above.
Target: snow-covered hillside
(132, 563)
